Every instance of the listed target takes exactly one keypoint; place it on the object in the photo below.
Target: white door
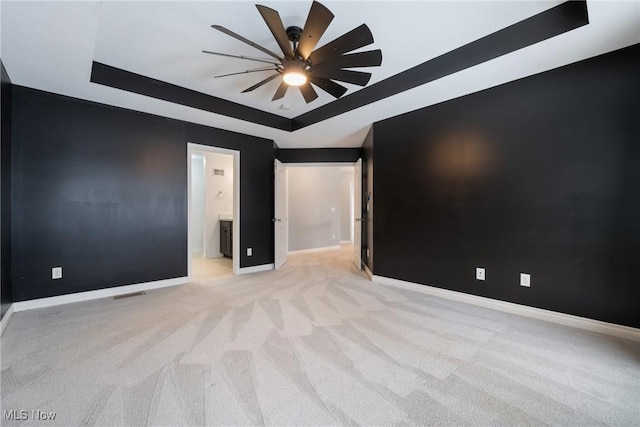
(279, 217)
(357, 225)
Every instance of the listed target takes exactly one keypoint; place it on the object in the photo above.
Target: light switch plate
(525, 280)
(480, 273)
(56, 273)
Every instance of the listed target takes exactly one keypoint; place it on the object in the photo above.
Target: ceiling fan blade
(354, 39)
(244, 40)
(263, 82)
(280, 92)
(332, 88)
(255, 70)
(356, 77)
(308, 92)
(317, 22)
(273, 21)
(248, 58)
(370, 58)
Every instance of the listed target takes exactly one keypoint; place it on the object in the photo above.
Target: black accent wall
(540, 175)
(319, 155)
(5, 194)
(102, 192)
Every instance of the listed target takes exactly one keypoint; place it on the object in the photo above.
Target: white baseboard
(255, 269)
(6, 318)
(308, 251)
(598, 326)
(366, 270)
(99, 293)
(344, 242)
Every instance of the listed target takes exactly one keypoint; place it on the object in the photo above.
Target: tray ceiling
(52, 45)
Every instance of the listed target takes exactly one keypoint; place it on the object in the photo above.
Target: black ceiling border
(550, 23)
(131, 82)
(319, 155)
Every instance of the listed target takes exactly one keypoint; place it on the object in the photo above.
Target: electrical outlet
(56, 273)
(333, 237)
(249, 251)
(525, 280)
(479, 273)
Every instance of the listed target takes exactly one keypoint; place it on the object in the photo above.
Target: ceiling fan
(301, 65)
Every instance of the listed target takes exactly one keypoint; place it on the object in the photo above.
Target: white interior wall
(346, 176)
(197, 203)
(314, 207)
(218, 200)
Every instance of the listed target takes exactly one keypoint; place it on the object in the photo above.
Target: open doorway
(320, 205)
(213, 231)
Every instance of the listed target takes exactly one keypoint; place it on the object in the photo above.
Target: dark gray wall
(540, 175)
(5, 193)
(102, 192)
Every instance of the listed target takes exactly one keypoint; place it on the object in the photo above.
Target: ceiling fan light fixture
(301, 64)
(294, 78)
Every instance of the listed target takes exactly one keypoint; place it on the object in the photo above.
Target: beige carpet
(207, 268)
(314, 343)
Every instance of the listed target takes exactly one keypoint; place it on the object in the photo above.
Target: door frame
(357, 248)
(280, 214)
(352, 211)
(199, 148)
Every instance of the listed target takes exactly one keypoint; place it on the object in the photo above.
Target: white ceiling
(51, 45)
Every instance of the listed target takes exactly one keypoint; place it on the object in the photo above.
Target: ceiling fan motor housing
(294, 33)
(295, 65)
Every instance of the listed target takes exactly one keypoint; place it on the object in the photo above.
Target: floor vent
(133, 294)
